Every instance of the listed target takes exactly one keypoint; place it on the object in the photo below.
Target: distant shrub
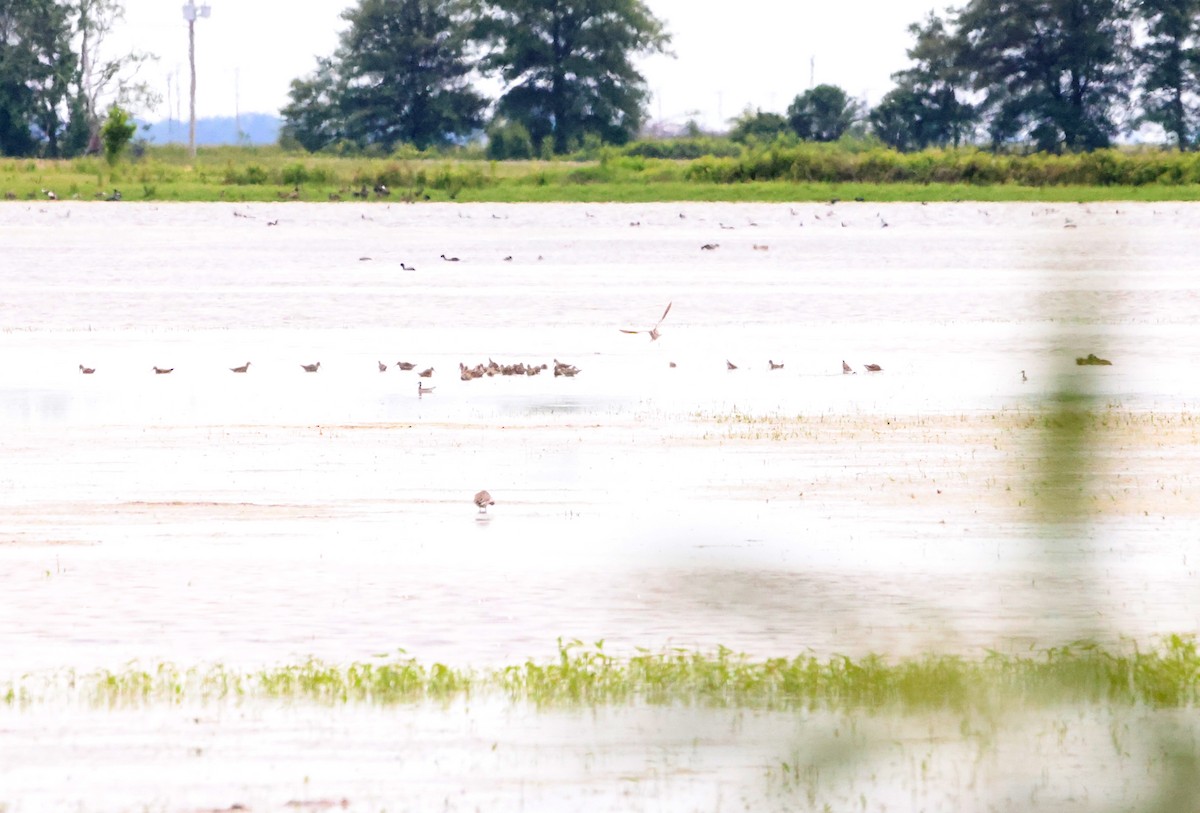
(249, 175)
(509, 141)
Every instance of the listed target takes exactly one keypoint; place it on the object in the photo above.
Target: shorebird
(729, 365)
(846, 368)
(450, 259)
(162, 370)
(654, 334)
(86, 370)
(775, 366)
(1023, 376)
(426, 373)
(311, 368)
(873, 368)
(241, 369)
(710, 246)
(423, 390)
(483, 500)
(404, 267)
(382, 366)
(405, 365)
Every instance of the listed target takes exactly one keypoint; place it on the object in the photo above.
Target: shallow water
(262, 518)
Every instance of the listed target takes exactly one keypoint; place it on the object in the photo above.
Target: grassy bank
(793, 174)
(1168, 676)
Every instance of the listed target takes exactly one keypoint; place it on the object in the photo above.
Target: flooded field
(656, 499)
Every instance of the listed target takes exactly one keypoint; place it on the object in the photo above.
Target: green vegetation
(1168, 676)
(778, 172)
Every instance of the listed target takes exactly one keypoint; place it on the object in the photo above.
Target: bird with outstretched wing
(654, 334)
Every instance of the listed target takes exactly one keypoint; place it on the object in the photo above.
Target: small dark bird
(846, 368)
(873, 368)
(710, 246)
(1023, 376)
(775, 366)
(483, 500)
(405, 365)
(162, 370)
(404, 267)
(382, 367)
(274, 222)
(311, 368)
(671, 364)
(508, 259)
(729, 365)
(241, 369)
(450, 259)
(86, 370)
(426, 373)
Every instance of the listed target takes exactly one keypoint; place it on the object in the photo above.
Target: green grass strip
(582, 675)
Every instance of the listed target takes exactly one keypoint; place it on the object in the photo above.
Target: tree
(927, 105)
(100, 78)
(1053, 71)
(399, 76)
(567, 65)
(116, 133)
(52, 78)
(1170, 62)
(758, 126)
(823, 113)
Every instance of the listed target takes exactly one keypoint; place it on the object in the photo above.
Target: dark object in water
(1092, 359)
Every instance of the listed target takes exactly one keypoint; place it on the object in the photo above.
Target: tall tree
(567, 65)
(1054, 71)
(823, 113)
(929, 104)
(1170, 61)
(36, 66)
(399, 75)
(101, 80)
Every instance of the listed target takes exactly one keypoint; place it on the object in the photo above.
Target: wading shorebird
(1023, 376)
(654, 334)
(405, 365)
(483, 500)
(873, 368)
(775, 366)
(846, 368)
(423, 390)
(311, 368)
(729, 365)
(450, 259)
(162, 370)
(426, 373)
(86, 370)
(241, 369)
(382, 366)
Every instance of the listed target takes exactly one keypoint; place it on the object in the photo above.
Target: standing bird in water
(86, 370)
(654, 334)
(873, 368)
(846, 368)
(241, 369)
(483, 500)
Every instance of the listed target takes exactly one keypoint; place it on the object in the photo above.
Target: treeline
(57, 91)
(1040, 75)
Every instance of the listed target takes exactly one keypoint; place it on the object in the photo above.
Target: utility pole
(190, 12)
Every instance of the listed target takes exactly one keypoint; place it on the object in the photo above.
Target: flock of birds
(492, 368)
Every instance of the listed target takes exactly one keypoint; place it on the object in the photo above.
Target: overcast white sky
(728, 55)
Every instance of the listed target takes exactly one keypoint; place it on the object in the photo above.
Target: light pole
(190, 12)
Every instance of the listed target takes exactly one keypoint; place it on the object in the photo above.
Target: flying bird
(654, 334)
(483, 500)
